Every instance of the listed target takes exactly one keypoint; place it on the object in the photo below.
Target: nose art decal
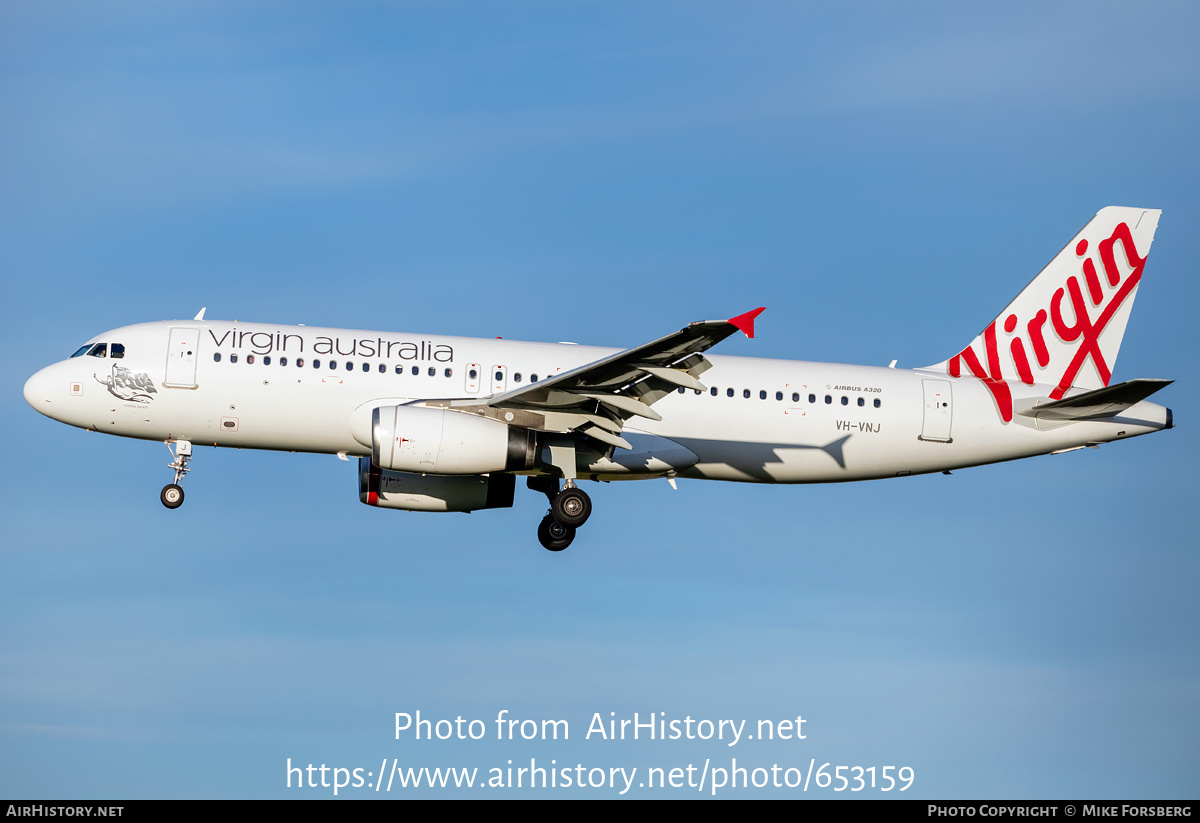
(125, 385)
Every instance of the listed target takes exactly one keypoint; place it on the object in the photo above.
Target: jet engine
(431, 492)
(431, 440)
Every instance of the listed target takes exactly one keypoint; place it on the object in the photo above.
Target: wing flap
(597, 398)
(623, 403)
(605, 436)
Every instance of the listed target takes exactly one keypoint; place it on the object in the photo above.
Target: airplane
(448, 423)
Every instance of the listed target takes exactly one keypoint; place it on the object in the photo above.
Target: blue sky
(883, 177)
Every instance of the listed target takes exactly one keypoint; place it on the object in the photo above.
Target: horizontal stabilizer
(1099, 403)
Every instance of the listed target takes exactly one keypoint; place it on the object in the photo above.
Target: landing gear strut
(172, 493)
(569, 509)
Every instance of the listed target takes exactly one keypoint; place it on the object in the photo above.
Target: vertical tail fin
(1064, 329)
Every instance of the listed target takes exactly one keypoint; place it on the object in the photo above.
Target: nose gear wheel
(172, 496)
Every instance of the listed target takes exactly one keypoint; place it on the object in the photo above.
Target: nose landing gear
(172, 493)
(569, 509)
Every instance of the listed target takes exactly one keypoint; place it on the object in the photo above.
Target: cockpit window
(82, 350)
(99, 350)
(116, 350)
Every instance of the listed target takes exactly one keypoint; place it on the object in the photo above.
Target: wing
(598, 398)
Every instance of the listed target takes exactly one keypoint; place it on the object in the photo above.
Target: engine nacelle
(431, 440)
(433, 493)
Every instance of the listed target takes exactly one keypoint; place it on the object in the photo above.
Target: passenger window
(382, 368)
(367, 367)
(316, 364)
(432, 371)
(746, 393)
(828, 399)
(216, 357)
(267, 360)
(845, 400)
(249, 358)
(762, 394)
(349, 366)
(99, 350)
(399, 369)
(332, 365)
(416, 371)
(713, 391)
(876, 402)
(233, 358)
(116, 350)
(533, 378)
(473, 373)
(449, 372)
(681, 390)
(516, 377)
(299, 362)
(283, 361)
(862, 402)
(729, 392)
(812, 398)
(795, 397)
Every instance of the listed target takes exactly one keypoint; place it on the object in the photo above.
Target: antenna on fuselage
(200, 314)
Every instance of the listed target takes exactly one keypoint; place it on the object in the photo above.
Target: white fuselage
(774, 421)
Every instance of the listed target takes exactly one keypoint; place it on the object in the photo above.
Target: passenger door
(182, 352)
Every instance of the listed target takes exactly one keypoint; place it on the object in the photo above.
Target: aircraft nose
(38, 392)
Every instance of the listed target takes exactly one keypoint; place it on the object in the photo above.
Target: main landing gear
(553, 535)
(569, 509)
(172, 493)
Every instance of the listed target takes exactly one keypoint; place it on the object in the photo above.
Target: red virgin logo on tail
(1077, 332)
